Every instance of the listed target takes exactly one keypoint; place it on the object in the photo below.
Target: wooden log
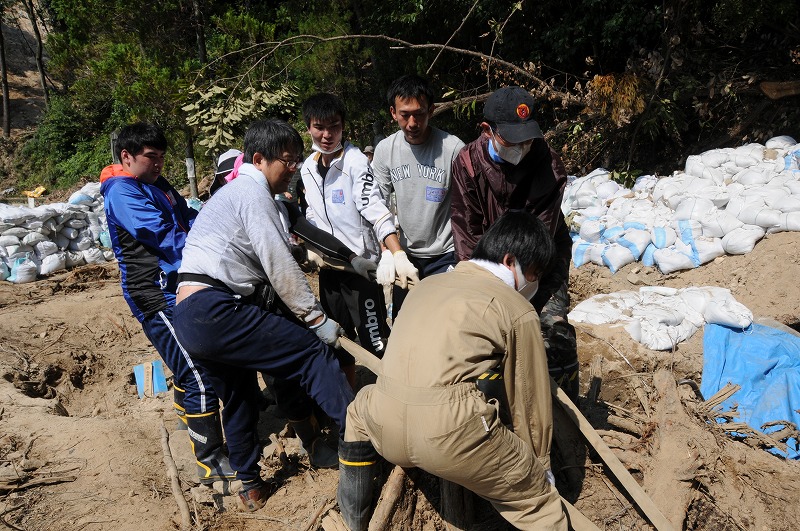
(392, 493)
(457, 506)
(651, 511)
(175, 484)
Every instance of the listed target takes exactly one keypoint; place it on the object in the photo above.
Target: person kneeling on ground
(244, 305)
(432, 412)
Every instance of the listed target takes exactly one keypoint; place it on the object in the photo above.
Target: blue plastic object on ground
(152, 384)
(765, 362)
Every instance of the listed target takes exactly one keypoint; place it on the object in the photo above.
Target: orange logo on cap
(523, 111)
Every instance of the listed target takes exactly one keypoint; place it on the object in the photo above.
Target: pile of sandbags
(50, 238)
(661, 317)
(724, 201)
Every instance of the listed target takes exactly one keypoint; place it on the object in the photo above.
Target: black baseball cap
(511, 110)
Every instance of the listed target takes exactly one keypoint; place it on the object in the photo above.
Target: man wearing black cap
(511, 167)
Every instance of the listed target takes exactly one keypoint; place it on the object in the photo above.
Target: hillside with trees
(629, 85)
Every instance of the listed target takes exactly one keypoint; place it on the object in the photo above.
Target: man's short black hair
(134, 137)
(410, 86)
(271, 138)
(521, 235)
(323, 106)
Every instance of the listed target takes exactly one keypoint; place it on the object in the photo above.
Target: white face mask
(524, 287)
(315, 147)
(511, 154)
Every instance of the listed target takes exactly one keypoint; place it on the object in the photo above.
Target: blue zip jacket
(148, 224)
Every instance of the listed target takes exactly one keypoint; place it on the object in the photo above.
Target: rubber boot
(319, 454)
(205, 434)
(254, 494)
(178, 395)
(358, 466)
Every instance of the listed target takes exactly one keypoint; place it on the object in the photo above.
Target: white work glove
(365, 268)
(405, 270)
(385, 273)
(328, 331)
(550, 477)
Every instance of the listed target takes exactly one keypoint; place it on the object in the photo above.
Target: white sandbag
(645, 183)
(74, 259)
(793, 186)
(727, 311)
(780, 142)
(94, 255)
(14, 215)
(708, 249)
(719, 223)
(19, 232)
(647, 256)
(52, 263)
(750, 177)
(9, 241)
(45, 248)
(607, 189)
(764, 217)
(669, 260)
(61, 241)
(605, 308)
(634, 239)
(715, 158)
(592, 230)
(663, 236)
(694, 208)
(616, 256)
(790, 203)
(790, 221)
(109, 255)
(76, 223)
(584, 252)
(688, 230)
(69, 232)
(742, 240)
(23, 271)
(82, 242)
(5, 272)
(17, 251)
(32, 238)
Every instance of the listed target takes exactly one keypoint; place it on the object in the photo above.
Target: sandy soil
(80, 450)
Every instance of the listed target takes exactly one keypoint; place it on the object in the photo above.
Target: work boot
(205, 434)
(253, 494)
(178, 395)
(358, 465)
(319, 454)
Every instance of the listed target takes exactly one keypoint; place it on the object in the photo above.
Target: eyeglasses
(290, 165)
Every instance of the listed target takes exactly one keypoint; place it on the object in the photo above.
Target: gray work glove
(365, 268)
(328, 331)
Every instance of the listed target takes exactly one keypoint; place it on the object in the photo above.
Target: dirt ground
(80, 450)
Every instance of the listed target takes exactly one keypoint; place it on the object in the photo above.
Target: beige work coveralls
(426, 411)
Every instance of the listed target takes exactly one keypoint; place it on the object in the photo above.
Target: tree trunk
(199, 28)
(4, 83)
(29, 8)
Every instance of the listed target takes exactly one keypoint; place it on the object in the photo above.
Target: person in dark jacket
(148, 221)
(511, 167)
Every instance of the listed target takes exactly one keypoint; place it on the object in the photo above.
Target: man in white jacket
(344, 200)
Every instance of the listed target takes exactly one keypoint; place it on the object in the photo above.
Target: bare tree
(4, 82)
(31, 10)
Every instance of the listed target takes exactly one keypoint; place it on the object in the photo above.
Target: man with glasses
(243, 304)
(342, 197)
(511, 167)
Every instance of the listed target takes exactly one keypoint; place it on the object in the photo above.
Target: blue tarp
(765, 361)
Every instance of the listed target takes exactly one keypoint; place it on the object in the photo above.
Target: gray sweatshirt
(238, 238)
(420, 178)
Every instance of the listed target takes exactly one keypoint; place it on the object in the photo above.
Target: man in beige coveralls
(426, 411)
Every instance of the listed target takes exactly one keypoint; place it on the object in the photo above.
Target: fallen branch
(175, 484)
(326, 506)
(280, 450)
(392, 493)
(15, 486)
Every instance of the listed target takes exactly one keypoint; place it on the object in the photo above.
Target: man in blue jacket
(148, 221)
